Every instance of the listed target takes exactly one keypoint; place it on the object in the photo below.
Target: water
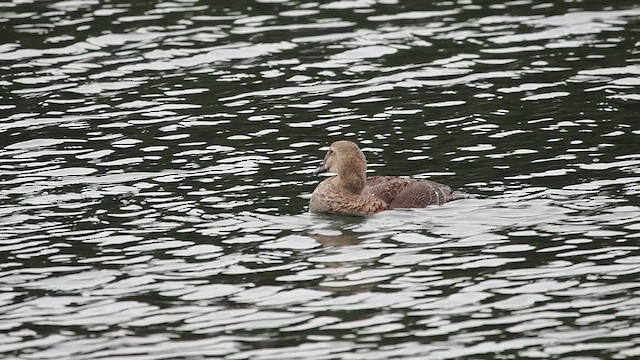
(155, 171)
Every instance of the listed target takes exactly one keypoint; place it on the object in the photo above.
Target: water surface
(156, 160)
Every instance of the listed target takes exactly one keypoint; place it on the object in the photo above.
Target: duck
(351, 192)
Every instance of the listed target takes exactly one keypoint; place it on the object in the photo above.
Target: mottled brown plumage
(350, 192)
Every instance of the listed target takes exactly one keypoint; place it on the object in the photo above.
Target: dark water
(155, 171)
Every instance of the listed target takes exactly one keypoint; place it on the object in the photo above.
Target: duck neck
(353, 177)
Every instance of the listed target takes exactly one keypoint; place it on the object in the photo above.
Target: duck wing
(408, 193)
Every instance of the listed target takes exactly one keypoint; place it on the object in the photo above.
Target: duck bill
(321, 169)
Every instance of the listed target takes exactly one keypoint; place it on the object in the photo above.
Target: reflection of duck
(350, 192)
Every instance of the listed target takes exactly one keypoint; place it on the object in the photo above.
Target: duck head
(345, 159)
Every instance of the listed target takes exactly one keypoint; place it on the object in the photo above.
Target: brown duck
(351, 192)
